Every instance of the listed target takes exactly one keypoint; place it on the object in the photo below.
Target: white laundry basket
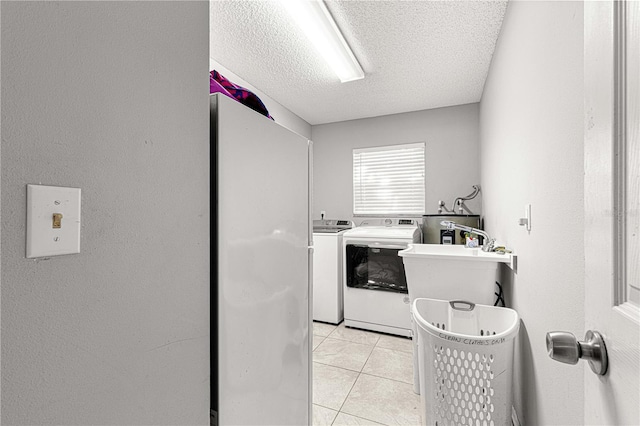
(465, 362)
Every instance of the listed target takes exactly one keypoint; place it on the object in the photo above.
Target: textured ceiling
(416, 54)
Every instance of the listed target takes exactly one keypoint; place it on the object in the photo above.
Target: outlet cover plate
(43, 239)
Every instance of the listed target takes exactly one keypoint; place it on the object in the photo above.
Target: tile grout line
(387, 378)
(345, 399)
(349, 393)
(360, 373)
(382, 377)
(354, 383)
(335, 366)
(351, 341)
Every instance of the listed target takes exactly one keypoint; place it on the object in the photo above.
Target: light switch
(57, 221)
(53, 220)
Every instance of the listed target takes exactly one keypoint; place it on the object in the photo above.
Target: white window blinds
(389, 180)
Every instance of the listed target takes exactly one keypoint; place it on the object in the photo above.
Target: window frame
(379, 149)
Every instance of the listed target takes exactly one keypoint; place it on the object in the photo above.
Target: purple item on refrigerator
(239, 93)
(215, 87)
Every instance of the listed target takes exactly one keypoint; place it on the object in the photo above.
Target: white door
(612, 93)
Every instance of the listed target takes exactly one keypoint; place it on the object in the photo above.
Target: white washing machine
(327, 269)
(375, 286)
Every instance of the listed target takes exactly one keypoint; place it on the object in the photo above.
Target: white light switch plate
(42, 203)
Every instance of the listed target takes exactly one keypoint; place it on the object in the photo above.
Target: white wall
(531, 129)
(280, 114)
(111, 97)
(452, 156)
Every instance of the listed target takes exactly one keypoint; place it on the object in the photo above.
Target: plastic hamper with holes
(465, 362)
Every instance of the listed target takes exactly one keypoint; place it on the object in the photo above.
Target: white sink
(451, 272)
(454, 252)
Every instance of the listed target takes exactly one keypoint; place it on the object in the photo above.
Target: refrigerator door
(263, 240)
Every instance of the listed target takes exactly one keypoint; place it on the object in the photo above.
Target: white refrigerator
(260, 291)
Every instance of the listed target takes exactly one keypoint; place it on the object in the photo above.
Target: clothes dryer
(375, 286)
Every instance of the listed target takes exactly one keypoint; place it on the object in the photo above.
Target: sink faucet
(489, 243)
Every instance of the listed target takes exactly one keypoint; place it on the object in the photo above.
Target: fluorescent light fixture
(316, 21)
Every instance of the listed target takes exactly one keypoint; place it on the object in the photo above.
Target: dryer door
(375, 266)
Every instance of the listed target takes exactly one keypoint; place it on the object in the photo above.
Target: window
(389, 180)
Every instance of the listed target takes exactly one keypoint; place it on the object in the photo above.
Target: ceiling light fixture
(316, 21)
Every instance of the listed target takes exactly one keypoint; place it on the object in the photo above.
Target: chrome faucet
(489, 243)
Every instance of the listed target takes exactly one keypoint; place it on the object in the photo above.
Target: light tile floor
(362, 378)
